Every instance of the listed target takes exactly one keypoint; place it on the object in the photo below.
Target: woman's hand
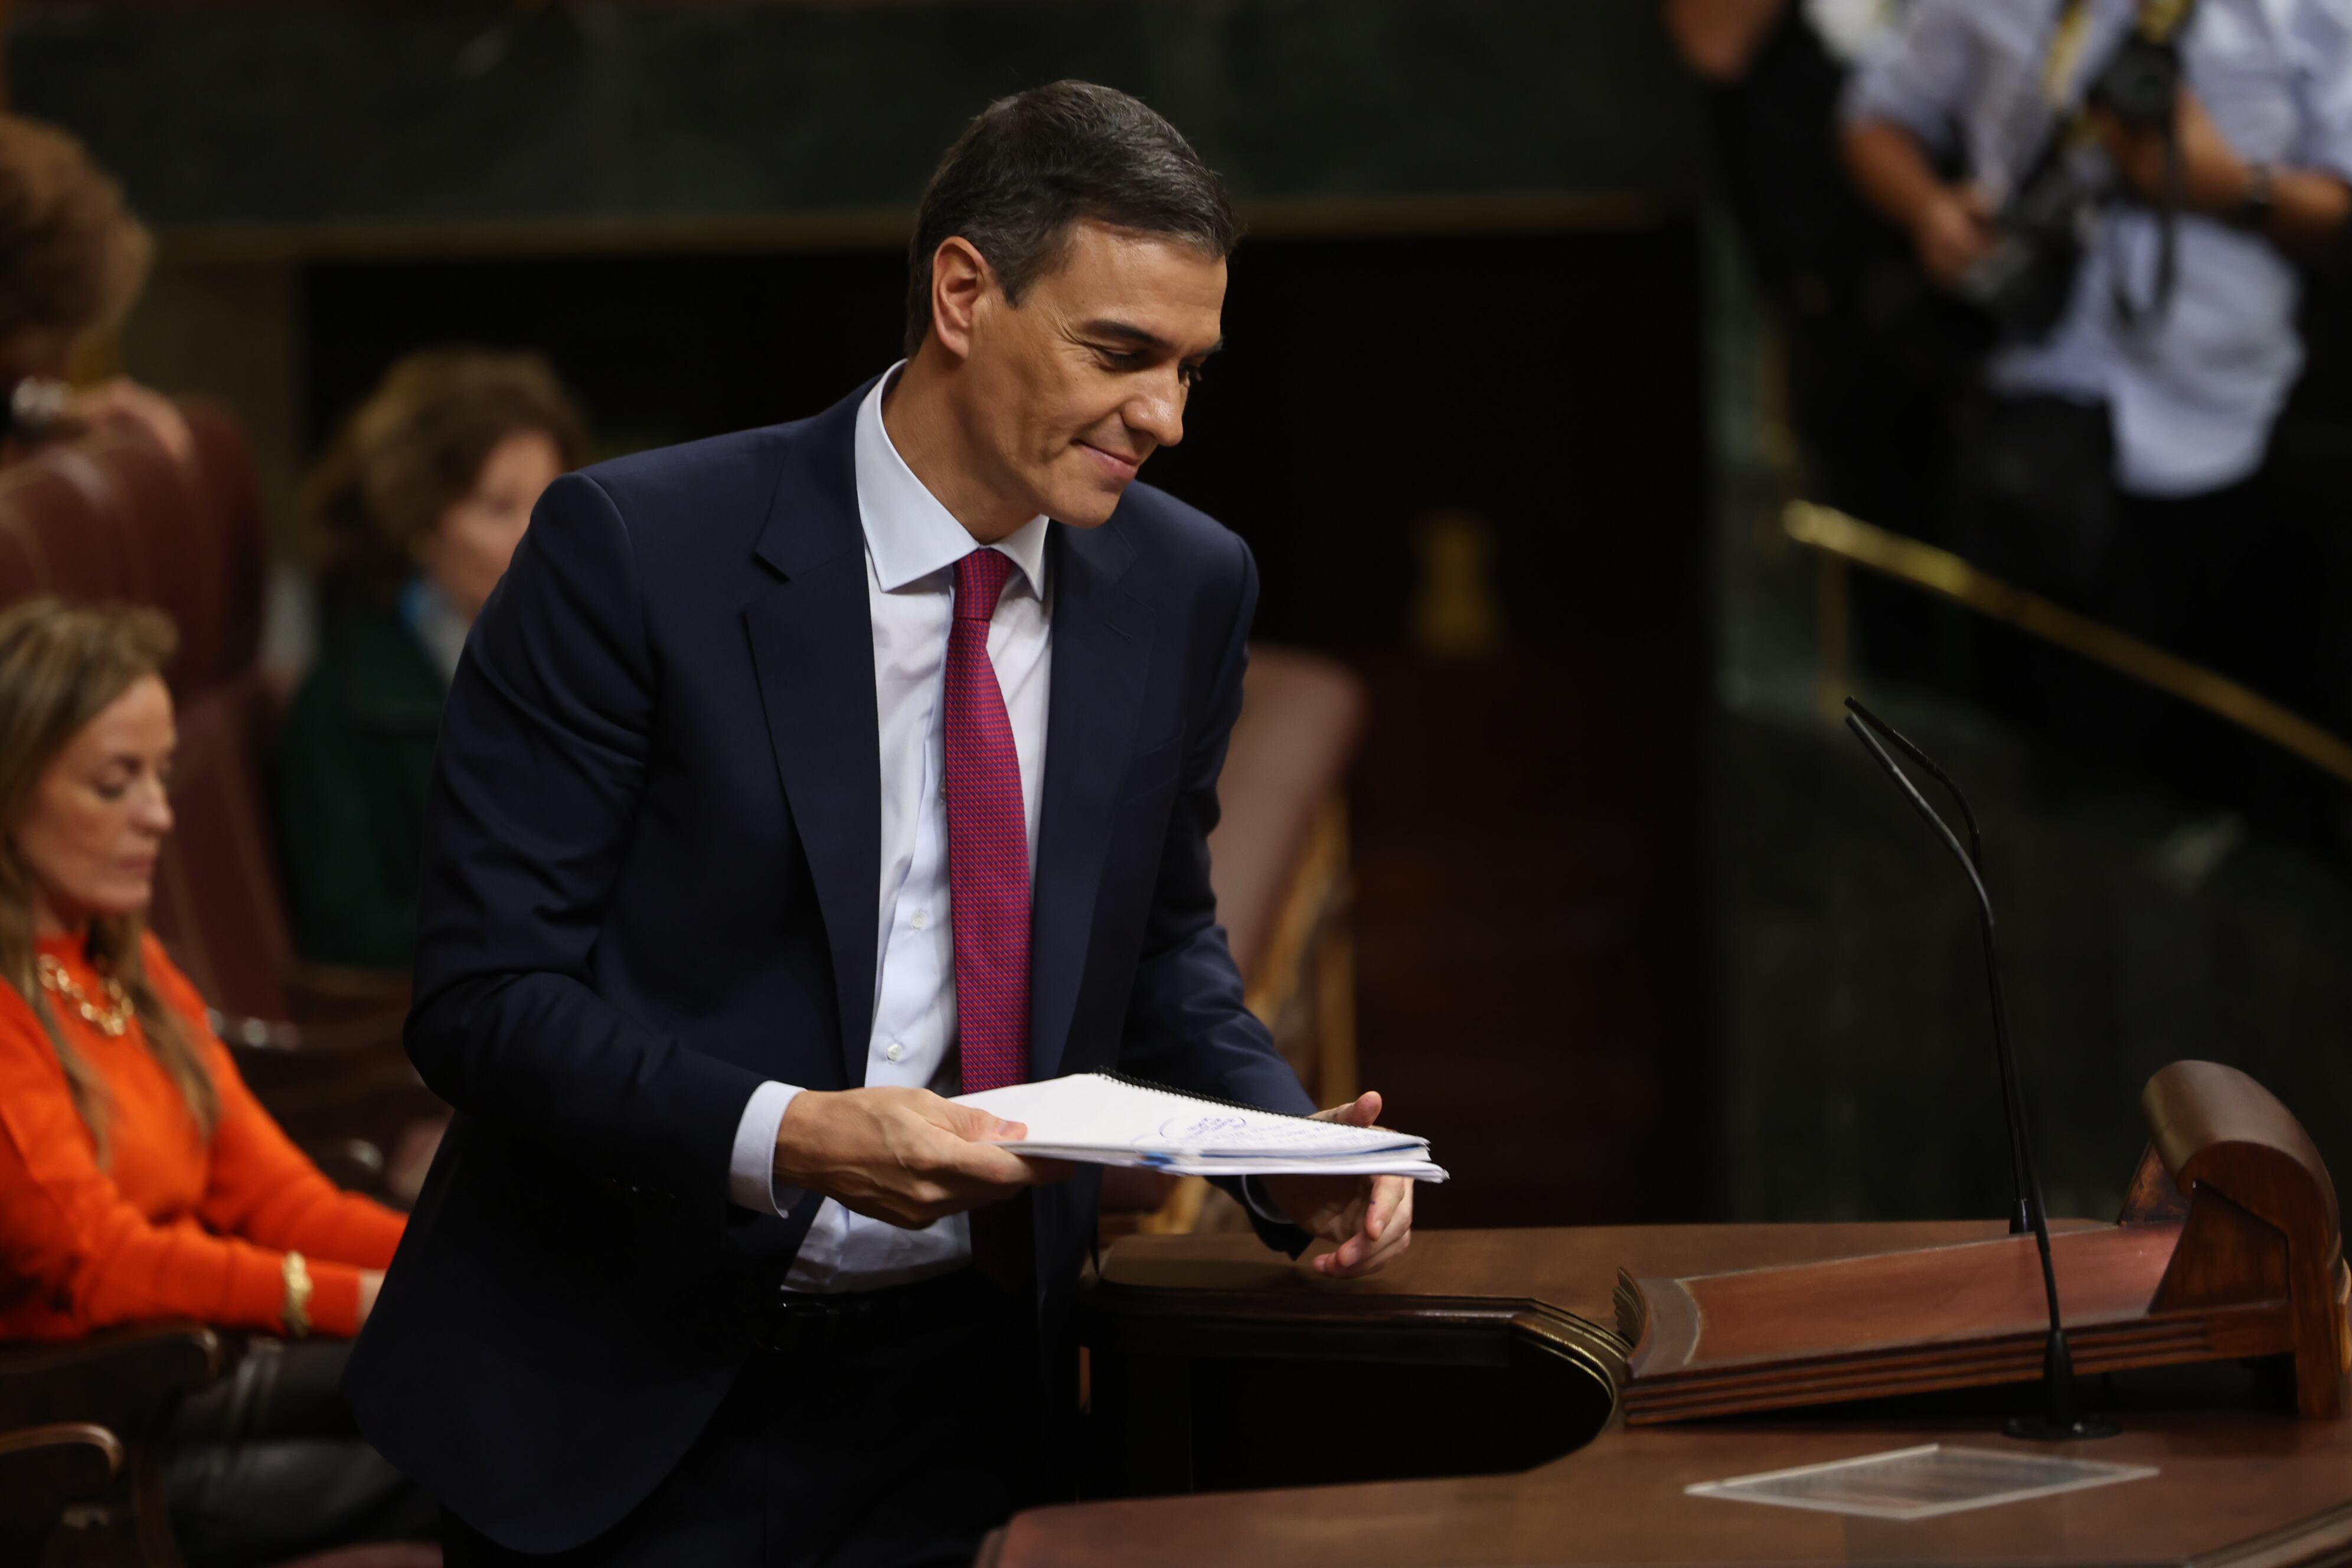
(123, 403)
(371, 1282)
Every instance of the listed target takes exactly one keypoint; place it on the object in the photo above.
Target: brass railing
(1941, 572)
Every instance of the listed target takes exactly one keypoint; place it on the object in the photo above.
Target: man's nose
(1159, 413)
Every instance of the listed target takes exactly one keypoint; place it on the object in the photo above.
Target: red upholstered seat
(217, 906)
(161, 509)
(112, 516)
(24, 571)
(56, 507)
(1302, 719)
(238, 537)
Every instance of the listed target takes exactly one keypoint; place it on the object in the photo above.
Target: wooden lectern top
(2260, 1488)
(1617, 1338)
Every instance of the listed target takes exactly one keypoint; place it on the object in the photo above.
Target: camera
(2027, 282)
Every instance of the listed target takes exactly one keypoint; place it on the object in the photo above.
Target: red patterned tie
(988, 843)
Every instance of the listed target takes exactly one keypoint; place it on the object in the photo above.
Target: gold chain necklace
(111, 1019)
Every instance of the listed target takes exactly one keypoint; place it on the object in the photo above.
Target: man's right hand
(1954, 231)
(904, 1156)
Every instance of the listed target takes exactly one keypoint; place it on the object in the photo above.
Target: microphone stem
(2057, 1361)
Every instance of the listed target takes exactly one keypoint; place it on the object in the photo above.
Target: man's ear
(961, 278)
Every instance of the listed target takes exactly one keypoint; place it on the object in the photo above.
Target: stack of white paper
(1096, 1119)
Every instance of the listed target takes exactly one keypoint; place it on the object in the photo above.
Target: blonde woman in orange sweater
(139, 1178)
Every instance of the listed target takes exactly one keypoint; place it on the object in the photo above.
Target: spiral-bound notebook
(1094, 1119)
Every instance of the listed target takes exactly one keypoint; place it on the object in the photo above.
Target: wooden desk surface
(2256, 1489)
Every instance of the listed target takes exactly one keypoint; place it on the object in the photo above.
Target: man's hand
(1954, 231)
(904, 1156)
(2213, 178)
(1369, 1216)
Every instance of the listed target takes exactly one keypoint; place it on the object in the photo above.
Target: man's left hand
(1370, 1217)
(2213, 178)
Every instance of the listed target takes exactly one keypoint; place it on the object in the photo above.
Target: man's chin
(1090, 507)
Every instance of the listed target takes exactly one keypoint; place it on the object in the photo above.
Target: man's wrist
(1260, 1202)
(789, 1161)
(2257, 193)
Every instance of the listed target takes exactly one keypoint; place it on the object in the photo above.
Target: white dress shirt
(912, 543)
(2194, 395)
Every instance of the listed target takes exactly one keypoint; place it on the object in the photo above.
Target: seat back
(112, 516)
(1302, 720)
(60, 524)
(236, 532)
(217, 905)
(158, 508)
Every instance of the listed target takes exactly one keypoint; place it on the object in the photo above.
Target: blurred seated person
(139, 1178)
(2114, 457)
(414, 513)
(72, 261)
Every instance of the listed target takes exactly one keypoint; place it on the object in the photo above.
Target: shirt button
(894, 1051)
(922, 918)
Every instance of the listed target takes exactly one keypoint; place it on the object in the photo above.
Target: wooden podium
(2228, 1248)
(1475, 1407)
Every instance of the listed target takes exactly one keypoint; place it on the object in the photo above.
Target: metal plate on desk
(1922, 1482)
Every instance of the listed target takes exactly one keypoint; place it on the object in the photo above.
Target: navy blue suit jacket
(651, 865)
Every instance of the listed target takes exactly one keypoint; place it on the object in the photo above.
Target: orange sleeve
(259, 1186)
(75, 1254)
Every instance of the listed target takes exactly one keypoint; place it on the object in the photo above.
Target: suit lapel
(812, 640)
(1102, 656)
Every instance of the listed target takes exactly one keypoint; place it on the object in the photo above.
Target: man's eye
(1193, 375)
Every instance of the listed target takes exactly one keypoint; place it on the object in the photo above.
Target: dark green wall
(485, 114)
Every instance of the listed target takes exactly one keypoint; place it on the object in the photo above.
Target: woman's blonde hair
(60, 667)
(414, 449)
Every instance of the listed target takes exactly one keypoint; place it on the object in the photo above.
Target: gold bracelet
(297, 1312)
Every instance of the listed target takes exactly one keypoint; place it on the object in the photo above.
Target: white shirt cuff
(752, 1169)
(1254, 1194)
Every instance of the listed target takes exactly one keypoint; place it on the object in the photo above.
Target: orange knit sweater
(173, 1226)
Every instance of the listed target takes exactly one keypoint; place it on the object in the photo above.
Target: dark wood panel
(2241, 1478)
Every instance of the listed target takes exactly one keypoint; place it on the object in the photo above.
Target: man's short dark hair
(1033, 165)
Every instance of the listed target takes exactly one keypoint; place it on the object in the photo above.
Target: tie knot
(981, 577)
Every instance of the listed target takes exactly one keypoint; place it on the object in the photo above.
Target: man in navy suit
(792, 781)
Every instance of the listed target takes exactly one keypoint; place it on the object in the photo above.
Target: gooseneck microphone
(2062, 1419)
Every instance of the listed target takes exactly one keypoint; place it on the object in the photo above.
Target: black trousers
(267, 1464)
(893, 1432)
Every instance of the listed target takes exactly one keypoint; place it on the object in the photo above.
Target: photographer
(72, 261)
(2124, 190)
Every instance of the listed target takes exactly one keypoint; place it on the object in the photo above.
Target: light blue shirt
(2193, 394)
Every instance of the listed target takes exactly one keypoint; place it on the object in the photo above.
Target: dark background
(1639, 934)
(1526, 900)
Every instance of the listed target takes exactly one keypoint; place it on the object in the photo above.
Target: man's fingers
(990, 1165)
(1364, 1111)
(1376, 1229)
(970, 1122)
(1359, 1256)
